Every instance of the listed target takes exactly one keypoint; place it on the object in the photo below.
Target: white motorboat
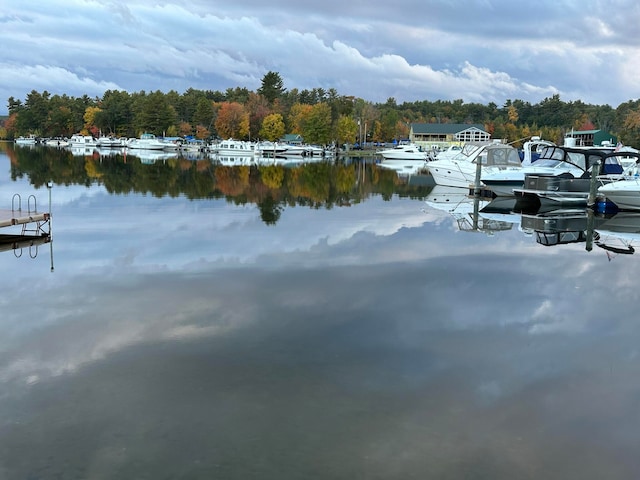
(147, 141)
(30, 140)
(82, 141)
(109, 142)
(461, 171)
(625, 194)
(267, 148)
(408, 151)
(57, 142)
(449, 153)
(230, 147)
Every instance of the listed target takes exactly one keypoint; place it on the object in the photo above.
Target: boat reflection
(619, 234)
(467, 210)
(565, 225)
(151, 156)
(233, 160)
(501, 209)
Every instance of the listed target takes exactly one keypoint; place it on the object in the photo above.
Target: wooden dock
(10, 218)
(31, 229)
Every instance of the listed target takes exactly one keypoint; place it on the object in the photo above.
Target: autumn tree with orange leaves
(232, 121)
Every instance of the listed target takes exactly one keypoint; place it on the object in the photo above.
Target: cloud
(488, 51)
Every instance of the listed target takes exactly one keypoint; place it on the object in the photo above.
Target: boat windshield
(556, 154)
(552, 152)
(501, 155)
(547, 162)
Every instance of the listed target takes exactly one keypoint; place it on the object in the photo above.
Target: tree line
(318, 115)
(317, 185)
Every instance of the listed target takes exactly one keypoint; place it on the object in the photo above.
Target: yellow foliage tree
(89, 120)
(272, 127)
(347, 129)
(298, 117)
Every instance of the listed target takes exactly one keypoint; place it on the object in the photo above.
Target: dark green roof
(444, 128)
(292, 137)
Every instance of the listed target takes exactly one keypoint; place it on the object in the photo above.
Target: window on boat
(502, 156)
(611, 165)
(577, 159)
(547, 162)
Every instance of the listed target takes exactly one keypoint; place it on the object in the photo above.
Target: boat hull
(625, 194)
(452, 173)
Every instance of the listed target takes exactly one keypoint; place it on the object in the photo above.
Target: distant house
(589, 138)
(292, 139)
(431, 135)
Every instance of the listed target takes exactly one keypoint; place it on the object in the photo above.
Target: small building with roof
(590, 138)
(292, 139)
(442, 135)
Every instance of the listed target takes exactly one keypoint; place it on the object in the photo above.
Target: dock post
(476, 184)
(593, 186)
(590, 227)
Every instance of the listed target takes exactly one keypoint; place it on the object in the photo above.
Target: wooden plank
(19, 217)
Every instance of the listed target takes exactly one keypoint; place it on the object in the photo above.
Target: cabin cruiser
(408, 151)
(82, 141)
(461, 170)
(572, 188)
(449, 153)
(147, 141)
(231, 147)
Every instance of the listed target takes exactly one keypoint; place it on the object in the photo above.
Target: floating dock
(31, 226)
(9, 218)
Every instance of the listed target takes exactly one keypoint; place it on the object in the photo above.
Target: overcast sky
(475, 50)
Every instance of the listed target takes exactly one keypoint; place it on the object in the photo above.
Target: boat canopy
(501, 155)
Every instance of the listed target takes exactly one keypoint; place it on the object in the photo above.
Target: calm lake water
(197, 325)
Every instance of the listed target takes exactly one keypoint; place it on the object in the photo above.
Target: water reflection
(619, 234)
(473, 213)
(270, 183)
(358, 335)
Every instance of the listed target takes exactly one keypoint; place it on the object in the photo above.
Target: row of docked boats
(148, 141)
(457, 165)
(543, 173)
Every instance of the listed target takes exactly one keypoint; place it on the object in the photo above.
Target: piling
(477, 184)
(593, 186)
